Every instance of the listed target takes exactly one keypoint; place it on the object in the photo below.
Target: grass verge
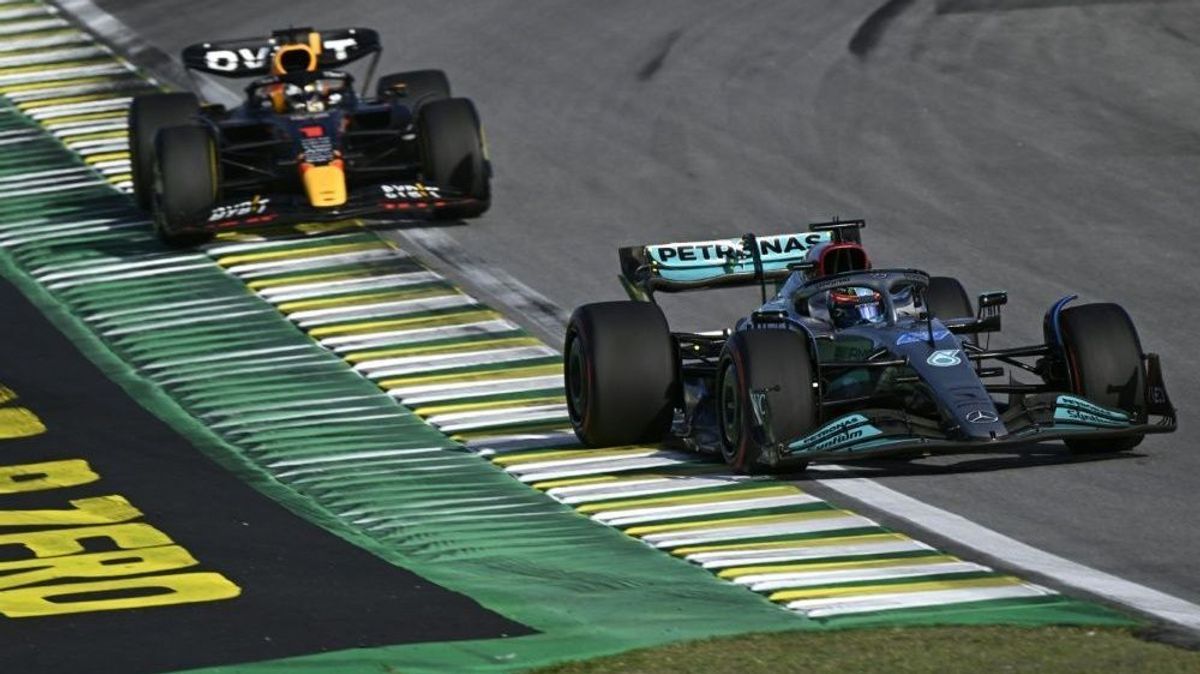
(1012, 650)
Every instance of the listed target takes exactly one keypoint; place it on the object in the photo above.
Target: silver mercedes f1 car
(847, 361)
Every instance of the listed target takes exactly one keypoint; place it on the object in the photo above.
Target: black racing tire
(947, 298)
(420, 86)
(779, 362)
(621, 374)
(185, 184)
(147, 116)
(453, 154)
(1106, 365)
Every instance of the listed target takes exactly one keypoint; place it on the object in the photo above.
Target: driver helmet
(317, 95)
(854, 306)
(283, 97)
(298, 90)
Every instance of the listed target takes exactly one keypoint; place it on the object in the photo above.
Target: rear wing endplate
(722, 263)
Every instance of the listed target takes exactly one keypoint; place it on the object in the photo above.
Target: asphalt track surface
(303, 589)
(1042, 147)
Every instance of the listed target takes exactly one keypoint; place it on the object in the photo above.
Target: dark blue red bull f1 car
(304, 146)
(847, 361)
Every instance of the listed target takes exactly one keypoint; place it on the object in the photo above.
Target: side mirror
(989, 308)
(988, 319)
(994, 298)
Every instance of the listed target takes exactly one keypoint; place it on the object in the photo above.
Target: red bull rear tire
(453, 154)
(147, 116)
(186, 181)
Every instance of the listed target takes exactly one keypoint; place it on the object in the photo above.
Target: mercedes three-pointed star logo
(982, 417)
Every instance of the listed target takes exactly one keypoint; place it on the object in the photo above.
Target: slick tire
(419, 86)
(186, 184)
(621, 374)
(453, 155)
(1106, 365)
(777, 362)
(947, 298)
(147, 116)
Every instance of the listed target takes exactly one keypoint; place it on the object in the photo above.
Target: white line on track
(1016, 553)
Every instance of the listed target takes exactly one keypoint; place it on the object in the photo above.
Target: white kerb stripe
(475, 389)
(767, 582)
(590, 493)
(622, 518)
(686, 537)
(580, 460)
(726, 558)
(614, 466)
(303, 291)
(826, 607)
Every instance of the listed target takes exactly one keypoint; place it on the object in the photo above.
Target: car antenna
(928, 317)
(749, 240)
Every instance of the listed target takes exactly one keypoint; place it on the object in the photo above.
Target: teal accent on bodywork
(706, 260)
(1072, 410)
(848, 430)
(884, 442)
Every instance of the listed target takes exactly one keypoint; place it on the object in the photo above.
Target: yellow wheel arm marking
(925, 586)
(692, 499)
(551, 455)
(800, 543)
(7, 395)
(931, 558)
(738, 522)
(298, 253)
(490, 405)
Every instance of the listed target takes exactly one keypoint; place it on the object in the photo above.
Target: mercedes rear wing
(723, 263)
